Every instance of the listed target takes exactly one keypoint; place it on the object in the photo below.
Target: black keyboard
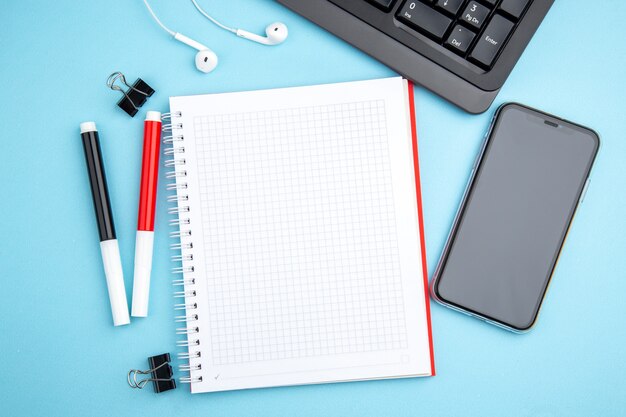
(461, 49)
(457, 24)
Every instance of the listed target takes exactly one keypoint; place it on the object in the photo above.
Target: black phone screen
(509, 232)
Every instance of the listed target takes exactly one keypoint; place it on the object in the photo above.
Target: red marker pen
(147, 203)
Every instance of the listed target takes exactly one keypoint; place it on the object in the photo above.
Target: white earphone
(275, 33)
(206, 60)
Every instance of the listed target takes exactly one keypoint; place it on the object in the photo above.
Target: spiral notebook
(300, 234)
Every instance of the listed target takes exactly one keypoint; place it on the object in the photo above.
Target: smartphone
(526, 184)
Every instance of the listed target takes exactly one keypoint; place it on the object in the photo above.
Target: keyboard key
(491, 41)
(460, 39)
(475, 14)
(386, 5)
(513, 8)
(450, 7)
(490, 2)
(421, 17)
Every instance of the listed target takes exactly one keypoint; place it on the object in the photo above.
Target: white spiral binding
(186, 307)
(174, 149)
(178, 222)
(189, 368)
(187, 330)
(186, 319)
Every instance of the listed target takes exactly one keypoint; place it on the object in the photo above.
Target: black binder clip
(134, 97)
(161, 374)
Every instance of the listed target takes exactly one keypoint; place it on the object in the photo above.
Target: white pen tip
(88, 127)
(143, 268)
(153, 116)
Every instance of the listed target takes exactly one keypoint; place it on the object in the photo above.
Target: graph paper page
(306, 245)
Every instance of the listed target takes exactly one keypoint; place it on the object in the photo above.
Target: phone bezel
(468, 189)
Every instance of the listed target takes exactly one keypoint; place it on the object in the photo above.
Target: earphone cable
(205, 14)
(154, 16)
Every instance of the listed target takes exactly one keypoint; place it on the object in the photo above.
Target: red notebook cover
(420, 215)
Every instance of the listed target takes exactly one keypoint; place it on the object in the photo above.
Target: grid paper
(299, 233)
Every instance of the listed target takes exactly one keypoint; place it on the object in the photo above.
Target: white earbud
(276, 33)
(206, 60)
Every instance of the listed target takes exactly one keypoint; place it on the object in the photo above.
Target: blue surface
(60, 354)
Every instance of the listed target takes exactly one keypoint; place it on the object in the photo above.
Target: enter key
(491, 41)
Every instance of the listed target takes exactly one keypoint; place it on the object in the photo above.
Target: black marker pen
(108, 242)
